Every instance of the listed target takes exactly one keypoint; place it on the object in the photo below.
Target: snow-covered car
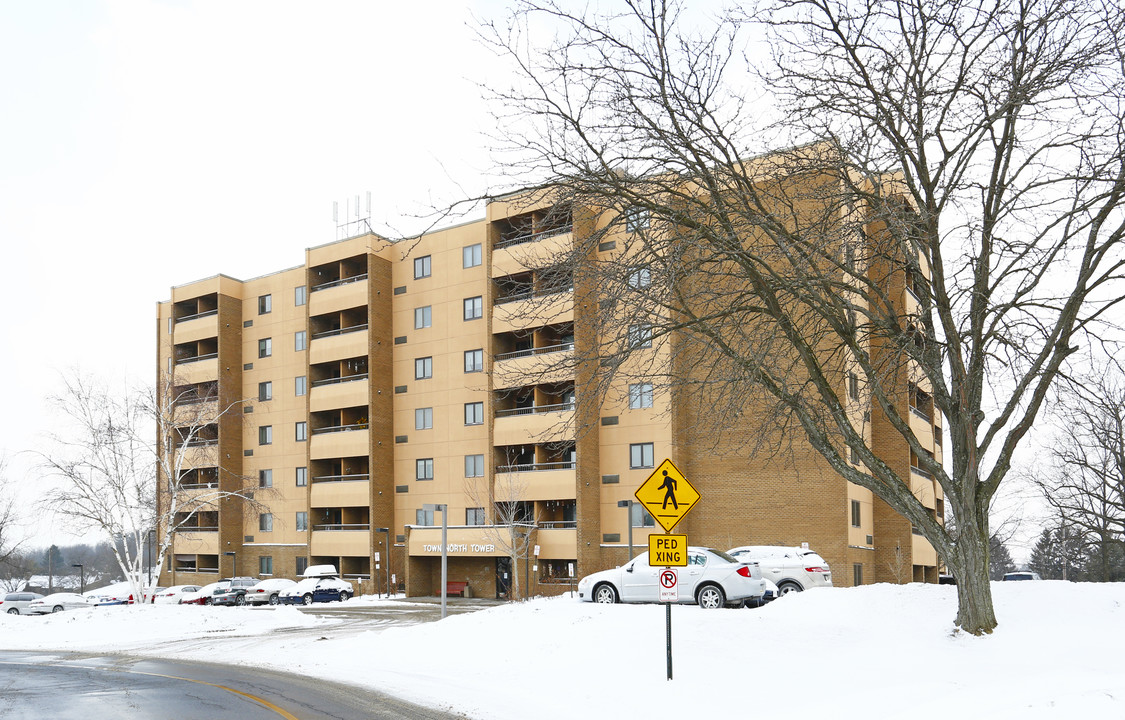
(232, 591)
(711, 579)
(268, 591)
(120, 593)
(202, 596)
(57, 602)
(321, 584)
(16, 603)
(792, 569)
(1022, 575)
(173, 595)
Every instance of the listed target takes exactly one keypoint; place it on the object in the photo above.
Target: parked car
(57, 602)
(1022, 575)
(268, 591)
(711, 579)
(173, 595)
(120, 593)
(321, 584)
(792, 569)
(16, 603)
(202, 596)
(769, 596)
(232, 591)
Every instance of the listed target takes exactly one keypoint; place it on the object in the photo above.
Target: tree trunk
(969, 564)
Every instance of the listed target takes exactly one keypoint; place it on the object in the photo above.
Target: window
(857, 574)
(423, 418)
(301, 433)
(640, 517)
(265, 435)
(474, 308)
(856, 517)
(474, 516)
(302, 476)
(265, 304)
(265, 391)
(640, 455)
(265, 347)
(300, 340)
(265, 522)
(853, 386)
(474, 413)
(636, 219)
(640, 277)
(423, 368)
(640, 396)
(474, 361)
(302, 521)
(422, 267)
(470, 256)
(265, 565)
(302, 565)
(424, 469)
(474, 466)
(265, 478)
(300, 385)
(423, 317)
(425, 518)
(640, 335)
(300, 295)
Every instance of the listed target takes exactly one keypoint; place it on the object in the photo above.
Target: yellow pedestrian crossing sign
(667, 495)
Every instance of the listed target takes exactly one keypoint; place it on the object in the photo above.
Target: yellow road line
(261, 701)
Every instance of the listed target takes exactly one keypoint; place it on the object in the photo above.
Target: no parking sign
(669, 586)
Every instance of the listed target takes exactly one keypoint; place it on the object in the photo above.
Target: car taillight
(744, 571)
(816, 569)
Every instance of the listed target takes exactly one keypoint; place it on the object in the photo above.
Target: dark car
(232, 591)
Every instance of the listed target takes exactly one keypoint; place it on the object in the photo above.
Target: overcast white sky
(149, 143)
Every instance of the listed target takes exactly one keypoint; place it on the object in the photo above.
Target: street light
(387, 560)
(628, 504)
(432, 507)
(234, 562)
(82, 576)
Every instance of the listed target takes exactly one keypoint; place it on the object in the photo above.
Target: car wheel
(207, 601)
(306, 599)
(274, 599)
(240, 600)
(57, 608)
(787, 587)
(344, 595)
(710, 597)
(605, 594)
(13, 611)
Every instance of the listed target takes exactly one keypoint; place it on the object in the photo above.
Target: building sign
(457, 548)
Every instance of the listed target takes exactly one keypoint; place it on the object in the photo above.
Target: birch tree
(969, 153)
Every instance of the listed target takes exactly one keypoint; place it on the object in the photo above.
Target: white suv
(792, 569)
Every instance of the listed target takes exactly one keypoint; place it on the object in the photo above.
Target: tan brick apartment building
(378, 377)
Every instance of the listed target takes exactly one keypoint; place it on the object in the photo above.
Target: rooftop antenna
(352, 225)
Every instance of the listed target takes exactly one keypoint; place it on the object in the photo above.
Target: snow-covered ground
(879, 651)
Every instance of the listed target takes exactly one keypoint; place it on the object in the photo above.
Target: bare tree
(1085, 482)
(511, 518)
(9, 544)
(110, 470)
(951, 216)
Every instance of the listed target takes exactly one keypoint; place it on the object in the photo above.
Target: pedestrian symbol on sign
(670, 486)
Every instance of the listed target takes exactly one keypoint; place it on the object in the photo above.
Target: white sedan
(712, 579)
(173, 595)
(267, 591)
(57, 602)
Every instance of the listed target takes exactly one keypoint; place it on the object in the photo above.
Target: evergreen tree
(52, 560)
(999, 559)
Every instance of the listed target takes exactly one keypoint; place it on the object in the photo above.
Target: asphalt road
(74, 686)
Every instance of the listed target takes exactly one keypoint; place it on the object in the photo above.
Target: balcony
(536, 309)
(197, 540)
(340, 539)
(339, 441)
(922, 552)
(536, 424)
(518, 252)
(197, 369)
(557, 543)
(338, 344)
(347, 491)
(340, 392)
(197, 327)
(554, 363)
(537, 481)
(338, 295)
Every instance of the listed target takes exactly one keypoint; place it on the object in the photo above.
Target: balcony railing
(196, 358)
(541, 293)
(193, 529)
(535, 409)
(535, 467)
(921, 413)
(354, 477)
(200, 442)
(339, 331)
(505, 242)
(536, 351)
(334, 527)
(920, 472)
(196, 316)
(559, 525)
(341, 281)
(199, 486)
(339, 428)
(337, 380)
